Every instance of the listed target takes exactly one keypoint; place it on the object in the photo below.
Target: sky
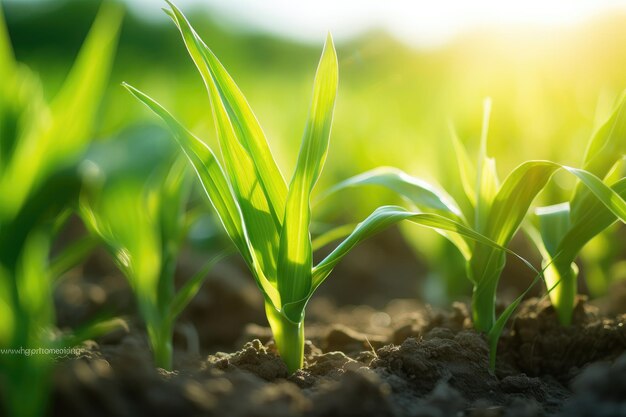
(420, 23)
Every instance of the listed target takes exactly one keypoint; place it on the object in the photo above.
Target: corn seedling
(268, 221)
(40, 144)
(603, 260)
(565, 228)
(490, 208)
(142, 219)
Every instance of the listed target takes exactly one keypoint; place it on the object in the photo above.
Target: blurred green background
(551, 86)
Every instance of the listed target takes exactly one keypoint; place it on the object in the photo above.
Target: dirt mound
(439, 369)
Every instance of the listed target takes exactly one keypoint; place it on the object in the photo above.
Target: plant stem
(289, 337)
(485, 268)
(562, 280)
(161, 343)
(484, 306)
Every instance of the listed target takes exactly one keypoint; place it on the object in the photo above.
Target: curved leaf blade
(207, 168)
(249, 131)
(386, 216)
(594, 218)
(513, 199)
(254, 176)
(606, 147)
(216, 187)
(420, 193)
(193, 285)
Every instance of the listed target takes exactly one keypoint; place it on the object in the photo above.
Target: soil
(406, 359)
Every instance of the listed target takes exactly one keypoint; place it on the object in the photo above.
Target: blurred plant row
(139, 192)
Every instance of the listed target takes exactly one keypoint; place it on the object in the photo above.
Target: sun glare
(423, 24)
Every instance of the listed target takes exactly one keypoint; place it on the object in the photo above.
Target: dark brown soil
(405, 360)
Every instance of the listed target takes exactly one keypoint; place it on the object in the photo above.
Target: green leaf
(56, 135)
(248, 130)
(496, 331)
(386, 216)
(216, 187)
(331, 235)
(95, 329)
(7, 61)
(207, 168)
(609, 197)
(608, 143)
(172, 195)
(509, 209)
(255, 178)
(466, 175)
(420, 193)
(134, 240)
(554, 222)
(33, 289)
(594, 218)
(510, 204)
(74, 107)
(487, 180)
(606, 148)
(295, 253)
(71, 256)
(193, 285)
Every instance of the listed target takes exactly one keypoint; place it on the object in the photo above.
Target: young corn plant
(268, 221)
(490, 208)
(564, 229)
(40, 146)
(142, 219)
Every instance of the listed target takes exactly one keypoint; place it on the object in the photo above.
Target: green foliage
(250, 195)
(566, 228)
(40, 144)
(491, 209)
(140, 213)
(268, 222)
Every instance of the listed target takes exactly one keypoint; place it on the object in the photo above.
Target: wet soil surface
(406, 359)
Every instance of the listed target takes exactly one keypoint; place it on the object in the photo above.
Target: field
(202, 218)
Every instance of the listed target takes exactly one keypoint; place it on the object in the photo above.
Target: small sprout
(490, 209)
(564, 229)
(268, 221)
(40, 144)
(142, 223)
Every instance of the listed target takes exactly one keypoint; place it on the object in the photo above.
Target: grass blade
(386, 216)
(608, 196)
(207, 168)
(515, 196)
(331, 235)
(595, 217)
(255, 178)
(607, 146)
(423, 195)
(466, 176)
(487, 179)
(216, 187)
(57, 134)
(554, 222)
(7, 60)
(71, 256)
(295, 253)
(74, 108)
(249, 132)
(193, 285)
(608, 143)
